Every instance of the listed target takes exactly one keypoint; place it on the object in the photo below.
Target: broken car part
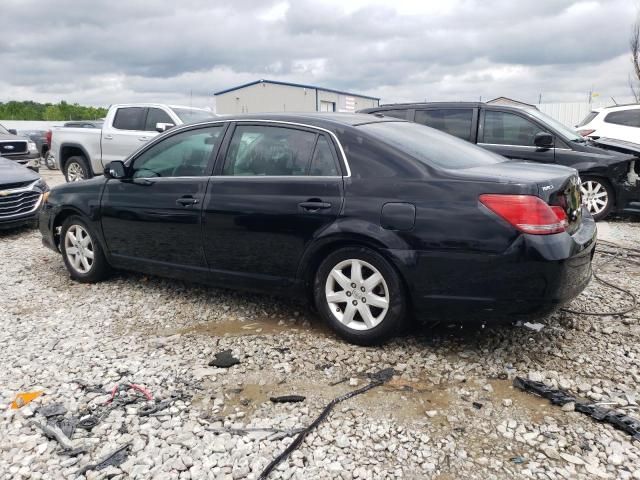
(288, 399)
(25, 397)
(53, 410)
(224, 359)
(55, 433)
(377, 379)
(115, 458)
(620, 421)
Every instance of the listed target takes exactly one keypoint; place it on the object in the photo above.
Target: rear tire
(81, 251)
(368, 313)
(76, 168)
(598, 196)
(49, 162)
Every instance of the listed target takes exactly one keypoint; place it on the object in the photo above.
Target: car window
(323, 162)
(129, 118)
(394, 113)
(156, 115)
(430, 146)
(590, 116)
(192, 115)
(454, 121)
(627, 118)
(257, 150)
(185, 154)
(502, 128)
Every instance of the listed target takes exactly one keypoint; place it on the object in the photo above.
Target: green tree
(29, 110)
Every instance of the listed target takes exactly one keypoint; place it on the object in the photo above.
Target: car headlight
(33, 148)
(41, 185)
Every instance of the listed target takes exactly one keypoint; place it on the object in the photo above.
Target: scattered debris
(224, 359)
(518, 460)
(288, 399)
(377, 379)
(338, 382)
(55, 433)
(160, 405)
(561, 397)
(477, 405)
(132, 386)
(25, 397)
(276, 433)
(53, 410)
(115, 458)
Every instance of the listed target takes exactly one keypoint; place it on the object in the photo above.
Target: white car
(620, 123)
(82, 153)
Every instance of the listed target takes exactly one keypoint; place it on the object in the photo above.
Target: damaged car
(370, 219)
(608, 168)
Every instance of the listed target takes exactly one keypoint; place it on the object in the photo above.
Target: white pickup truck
(82, 153)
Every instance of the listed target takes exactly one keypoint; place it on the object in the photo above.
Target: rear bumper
(533, 277)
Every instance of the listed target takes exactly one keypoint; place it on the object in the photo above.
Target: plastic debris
(55, 433)
(536, 327)
(53, 410)
(224, 359)
(518, 460)
(117, 389)
(620, 421)
(477, 405)
(288, 399)
(113, 459)
(25, 397)
(160, 405)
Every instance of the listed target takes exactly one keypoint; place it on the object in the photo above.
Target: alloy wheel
(357, 294)
(79, 249)
(595, 196)
(75, 172)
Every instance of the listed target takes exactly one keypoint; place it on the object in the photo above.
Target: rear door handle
(314, 205)
(187, 201)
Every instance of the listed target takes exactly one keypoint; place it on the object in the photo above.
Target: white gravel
(161, 334)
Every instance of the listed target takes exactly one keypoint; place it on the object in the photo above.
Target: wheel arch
(68, 150)
(59, 219)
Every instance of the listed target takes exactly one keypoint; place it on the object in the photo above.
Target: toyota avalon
(376, 221)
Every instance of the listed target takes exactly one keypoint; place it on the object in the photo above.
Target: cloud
(106, 52)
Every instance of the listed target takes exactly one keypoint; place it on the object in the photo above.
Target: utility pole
(539, 98)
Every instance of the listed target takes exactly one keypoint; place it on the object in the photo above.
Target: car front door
(131, 128)
(276, 188)
(154, 215)
(511, 135)
(457, 121)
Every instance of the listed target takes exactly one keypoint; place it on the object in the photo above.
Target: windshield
(431, 146)
(4, 130)
(567, 132)
(190, 115)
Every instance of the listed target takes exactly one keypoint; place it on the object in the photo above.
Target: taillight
(586, 133)
(527, 213)
(48, 137)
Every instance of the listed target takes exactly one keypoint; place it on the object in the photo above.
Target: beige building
(273, 96)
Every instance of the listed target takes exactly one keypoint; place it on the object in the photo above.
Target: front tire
(360, 295)
(82, 254)
(76, 168)
(598, 196)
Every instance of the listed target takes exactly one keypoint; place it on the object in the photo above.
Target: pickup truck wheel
(81, 251)
(597, 196)
(76, 169)
(49, 161)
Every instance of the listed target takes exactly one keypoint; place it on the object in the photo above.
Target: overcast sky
(101, 52)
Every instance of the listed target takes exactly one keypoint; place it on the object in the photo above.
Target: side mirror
(115, 169)
(12, 131)
(163, 127)
(543, 140)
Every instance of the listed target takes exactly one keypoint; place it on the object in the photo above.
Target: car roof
(322, 120)
(419, 105)
(619, 108)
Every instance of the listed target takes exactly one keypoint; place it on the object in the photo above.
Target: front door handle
(186, 201)
(314, 205)
(143, 139)
(108, 137)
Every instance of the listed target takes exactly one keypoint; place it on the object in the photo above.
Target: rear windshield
(431, 146)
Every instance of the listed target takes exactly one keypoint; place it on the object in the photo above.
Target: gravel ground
(58, 335)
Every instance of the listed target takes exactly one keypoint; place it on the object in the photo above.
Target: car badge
(8, 147)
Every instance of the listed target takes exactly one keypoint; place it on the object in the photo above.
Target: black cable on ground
(614, 255)
(378, 379)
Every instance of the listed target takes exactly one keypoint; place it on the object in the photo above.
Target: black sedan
(372, 219)
(22, 192)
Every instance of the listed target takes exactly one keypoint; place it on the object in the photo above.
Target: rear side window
(257, 150)
(323, 163)
(156, 115)
(627, 118)
(454, 121)
(129, 118)
(590, 116)
(502, 128)
(430, 146)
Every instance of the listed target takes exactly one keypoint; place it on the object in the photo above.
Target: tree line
(29, 110)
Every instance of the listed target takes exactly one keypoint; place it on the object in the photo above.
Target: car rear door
(511, 134)
(623, 125)
(277, 186)
(460, 122)
(153, 217)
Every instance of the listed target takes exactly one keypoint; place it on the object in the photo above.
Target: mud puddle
(234, 327)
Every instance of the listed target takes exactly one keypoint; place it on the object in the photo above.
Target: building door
(327, 106)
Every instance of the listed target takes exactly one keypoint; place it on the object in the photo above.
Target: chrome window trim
(206, 123)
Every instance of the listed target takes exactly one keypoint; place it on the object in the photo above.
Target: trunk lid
(564, 191)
